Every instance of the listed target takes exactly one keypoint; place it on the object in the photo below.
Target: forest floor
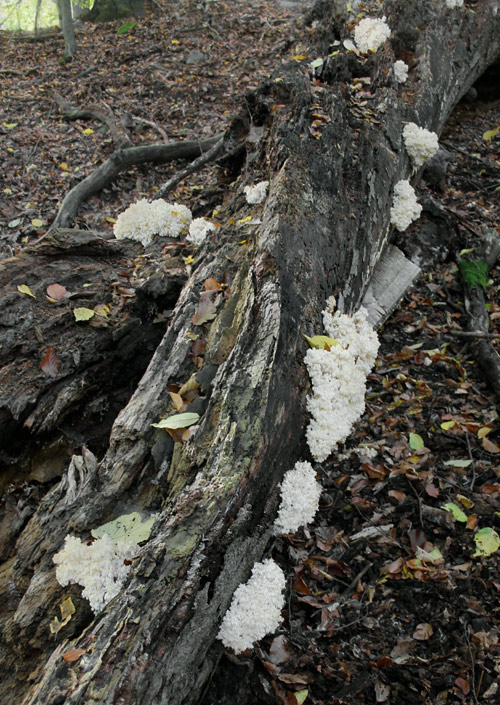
(391, 597)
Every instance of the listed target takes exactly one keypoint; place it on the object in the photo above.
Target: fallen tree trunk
(320, 232)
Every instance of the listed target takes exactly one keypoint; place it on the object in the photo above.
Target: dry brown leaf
(57, 292)
(212, 284)
(490, 446)
(177, 401)
(73, 655)
(423, 632)
(50, 363)
(206, 311)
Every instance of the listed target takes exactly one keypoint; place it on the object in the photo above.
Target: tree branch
(117, 162)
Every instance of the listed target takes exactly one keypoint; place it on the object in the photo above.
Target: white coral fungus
(405, 207)
(300, 493)
(255, 608)
(198, 230)
(143, 219)
(338, 378)
(400, 71)
(451, 4)
(257, 193)
(371, 33)
(98, 567)
(421, 144)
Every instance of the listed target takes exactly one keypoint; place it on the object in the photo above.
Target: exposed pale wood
(392, 277)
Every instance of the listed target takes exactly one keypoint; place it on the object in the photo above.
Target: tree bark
(66, 22)
(320, 232)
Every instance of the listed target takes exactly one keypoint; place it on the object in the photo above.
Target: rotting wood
(477, 315)
(321, 231)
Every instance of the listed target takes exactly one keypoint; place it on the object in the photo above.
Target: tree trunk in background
(320, 232)
(66, 23)
(106, 10)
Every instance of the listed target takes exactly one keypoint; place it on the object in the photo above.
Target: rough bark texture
(477, 315)
(321, 231)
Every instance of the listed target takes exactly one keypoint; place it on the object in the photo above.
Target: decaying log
(95, 362)
(477, 315)
(320, 232)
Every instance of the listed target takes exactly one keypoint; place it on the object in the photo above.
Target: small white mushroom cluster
(255, 608)
(143, 219)
(371, 33)
(421, 144)
(99, 567)
(338, 379)
(405, 208)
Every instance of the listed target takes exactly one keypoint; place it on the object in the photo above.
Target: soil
(389, 599)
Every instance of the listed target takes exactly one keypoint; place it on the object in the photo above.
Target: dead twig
(197, 164)
(118, 162)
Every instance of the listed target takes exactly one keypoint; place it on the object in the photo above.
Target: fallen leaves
(67, 611)
(178, 421)
(24, 289)
(50, 363)
(83, 314)
(56, 292)
(423, 632)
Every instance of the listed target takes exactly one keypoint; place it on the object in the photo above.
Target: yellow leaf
(67, 608)
(109, 219)
(37, 223)
(487, 542)
(9, 149)
(9, 125)
(188, 260)
(468, 503)
(189, 386)
(300, 57)
(83, 314)
(102, 310)
(24, 289)
(488, 135)
(177, 401)
(323, 342)
(244, 220)
(7, 191)
(483, 431)
(64, 166)
(448, 424)
(88, 131)
(175, 41)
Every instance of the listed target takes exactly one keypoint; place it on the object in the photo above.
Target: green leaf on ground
(457, 463)
(455, 510)
(416, 441)
(474, 272)
(300, 696)
(126, 27)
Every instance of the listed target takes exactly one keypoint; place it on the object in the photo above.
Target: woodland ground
(387, 602)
